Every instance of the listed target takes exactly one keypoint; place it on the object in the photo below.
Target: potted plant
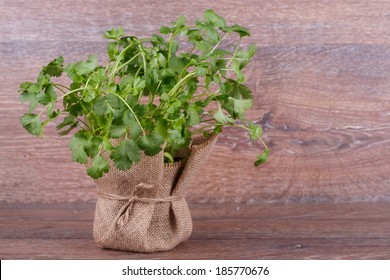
(146, 121)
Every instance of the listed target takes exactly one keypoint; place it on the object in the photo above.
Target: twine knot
(123, 215)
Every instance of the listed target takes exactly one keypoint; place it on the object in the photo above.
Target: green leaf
(162, 62)
(130, 123)
(89, 95)
(102, 122)
(176, 139)
(117, 129)
(43, 80)
(236, 68)
(151, 143)
(93, 146)
(213, 36)
(77, 145)
(138, 86)
(114, 101)
(237, 90)
(251, 50)
(201, 71)
(53, 114)
(114, 33)
(193, 112)
(180, 22)
(68, 121)
(125, 154)
(72, 105)
(194, 35)
(25, 86)
(203, 46)
(157, 39)
(49, 96)
(241, 105)
(164, 97)
(68, 130)
(192, 85)
(85, 67)
(100, 106)
(240, 30)
(31, 98)
(162, 127)
(112, 50)
(214, 19)
(125, 85)
(255, 131)
(221, 117)
(176, 64)
(32, 123)
(165, 30)
(175, 46)
(262, 158)
(98, 167)
(55, 67)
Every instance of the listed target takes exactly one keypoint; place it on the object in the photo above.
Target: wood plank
(230, 231)
(204, 249)
(321, 79)
(278, 22)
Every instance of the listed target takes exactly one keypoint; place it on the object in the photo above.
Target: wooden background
(321, 78)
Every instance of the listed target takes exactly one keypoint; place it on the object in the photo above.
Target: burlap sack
(143, 209)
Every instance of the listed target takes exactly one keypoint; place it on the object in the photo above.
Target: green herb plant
(154, 93)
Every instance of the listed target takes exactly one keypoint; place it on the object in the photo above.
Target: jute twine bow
(122, 218)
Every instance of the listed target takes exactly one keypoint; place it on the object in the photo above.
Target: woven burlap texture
(143, 209)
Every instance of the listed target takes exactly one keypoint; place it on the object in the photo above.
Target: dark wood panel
(272, 22)
(235, 221)
(267, 248)
(321, 79)
(229, 231)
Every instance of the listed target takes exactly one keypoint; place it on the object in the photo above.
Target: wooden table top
(225, 231)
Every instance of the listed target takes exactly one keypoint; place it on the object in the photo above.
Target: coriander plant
(154, 93)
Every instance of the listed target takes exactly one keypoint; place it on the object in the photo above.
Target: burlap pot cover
(143, 209)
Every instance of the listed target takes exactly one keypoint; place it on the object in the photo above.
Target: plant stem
(143, 57)
(234, 54)
(175, 88)
(202, 129)
(86, 84)
(59, 85)
(124, 64)
(216, 46)
(247, 128)
(70, 92)
(84, 123)
(158, 86)
(118, 60)
(265, 145)
(60, 89)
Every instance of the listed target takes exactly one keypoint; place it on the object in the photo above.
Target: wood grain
(321, 79)
(230, 231)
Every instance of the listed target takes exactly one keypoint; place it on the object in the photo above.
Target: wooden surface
(306, 231)
(321, 78)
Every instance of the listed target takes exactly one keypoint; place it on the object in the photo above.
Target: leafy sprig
(154, 92)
